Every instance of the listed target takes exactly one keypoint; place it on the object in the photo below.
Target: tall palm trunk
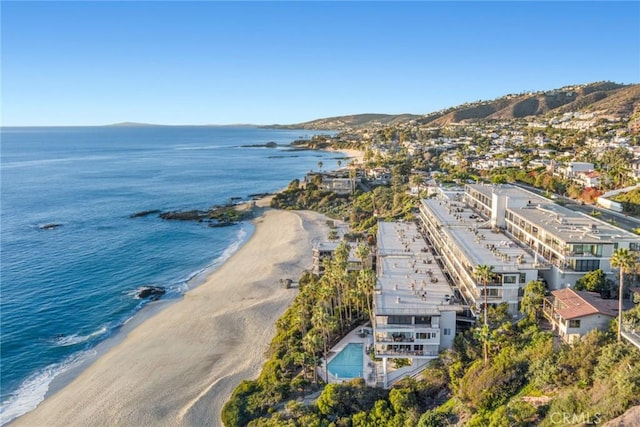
(485, 348)
(620, 303)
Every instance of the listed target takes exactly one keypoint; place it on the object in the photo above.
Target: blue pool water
(347, 363)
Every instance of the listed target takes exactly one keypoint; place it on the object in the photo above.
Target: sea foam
(33, 390)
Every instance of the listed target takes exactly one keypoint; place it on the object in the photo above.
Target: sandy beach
(179, 367)
(354, 155)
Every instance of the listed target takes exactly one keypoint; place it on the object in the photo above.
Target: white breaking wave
(31, 163)
(198, 276)
(77, 339)
(33, 390)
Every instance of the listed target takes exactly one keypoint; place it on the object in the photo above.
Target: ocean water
(67, 289)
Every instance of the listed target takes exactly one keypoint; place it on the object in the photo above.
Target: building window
(509, 279)
(523, 278)
(425, 335)
(399, 320)
(447, 331)
(493, 292)
(574, 323)
(520, 292)
(586, 265)
(633, 246)
(423, 320)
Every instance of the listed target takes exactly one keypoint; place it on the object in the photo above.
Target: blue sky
(93, 63)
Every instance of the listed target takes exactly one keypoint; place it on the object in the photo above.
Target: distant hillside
(612, 98)
(353, 121)
(615, 99)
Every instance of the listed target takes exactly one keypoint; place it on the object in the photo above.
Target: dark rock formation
(50, 226)
(153, 293)
(194, 215)
(144, 213)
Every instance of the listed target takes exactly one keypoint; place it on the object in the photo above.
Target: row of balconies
(401, 337)
(405, 351)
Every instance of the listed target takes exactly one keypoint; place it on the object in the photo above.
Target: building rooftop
(479, 244)
(572, 304)
(511, 191)
(572, 226)
(409, 279)
(560, 221)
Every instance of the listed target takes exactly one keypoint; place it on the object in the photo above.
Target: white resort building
(568, 242)
(521, 235)
(414, 306)
(465, 239)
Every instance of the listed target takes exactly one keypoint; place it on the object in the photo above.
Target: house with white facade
(589, 179)
(574, 313)
(571, 169)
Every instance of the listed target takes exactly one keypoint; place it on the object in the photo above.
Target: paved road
(625, 222)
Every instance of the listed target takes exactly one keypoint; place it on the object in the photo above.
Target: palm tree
(312, 343)
(353, 173)
(485, 273)
(326, 323)
(362, 252)
(366, 283)
(320, 165)
(626, 262)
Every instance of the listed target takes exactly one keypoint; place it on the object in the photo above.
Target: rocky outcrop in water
(194, 215)
(152, 293)
(145, 213)
(50, 226)
(217, 216)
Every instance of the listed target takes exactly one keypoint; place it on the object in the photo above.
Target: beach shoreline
(356, 156)
(180, 365)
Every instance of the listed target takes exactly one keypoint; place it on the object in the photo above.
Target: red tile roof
(571, 304)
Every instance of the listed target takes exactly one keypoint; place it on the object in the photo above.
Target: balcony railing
(407, 353)
(631, 335)
(391, 326)
(393, 339)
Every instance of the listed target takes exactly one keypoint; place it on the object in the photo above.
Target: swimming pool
(348, 363)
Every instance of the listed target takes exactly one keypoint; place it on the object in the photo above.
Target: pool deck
(368, 366)
(372, 370)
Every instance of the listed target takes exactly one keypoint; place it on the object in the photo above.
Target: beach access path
(180, 366)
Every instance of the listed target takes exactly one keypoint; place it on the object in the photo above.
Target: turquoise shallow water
(67, 289)
(347, 363)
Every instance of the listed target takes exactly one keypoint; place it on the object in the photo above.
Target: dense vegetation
(529, 379)
(361, 209)
(630, 201)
